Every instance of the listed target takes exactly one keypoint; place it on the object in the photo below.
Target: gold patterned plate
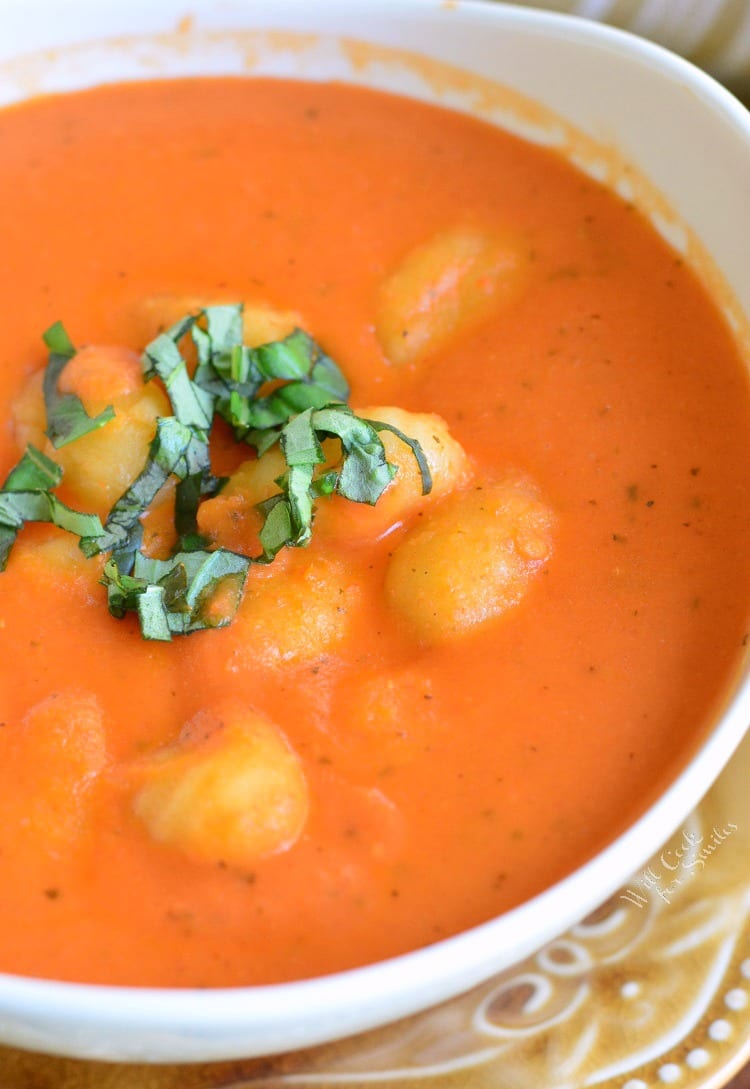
(651, 990)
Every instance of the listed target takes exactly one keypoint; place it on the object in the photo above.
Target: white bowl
(627, 101)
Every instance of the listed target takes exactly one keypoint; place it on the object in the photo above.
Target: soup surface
(445, 702)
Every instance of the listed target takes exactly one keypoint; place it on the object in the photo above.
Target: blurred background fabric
(714, 34)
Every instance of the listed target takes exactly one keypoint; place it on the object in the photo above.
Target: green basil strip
(8, 535)
(416, 449)
(287, 359)
(224, 364)
(64, 517)
(277, 530)
(222, 334)
(187, 500)
(224, 326)
(365, 472)
(278, 407)
(35, 472)
(364, 475)
(57, 340)
(173, 450)
(122, 531)
(298, 357)
(325, 484)
(205, 579)
(67, 419)
(17, 508)
(300, 501)
(303, 403)
(176, 596)
(310, 380)
(122, 590)
(25, 497)
(175, 584)
(262, 441)
(299, 443)
(192, 406)
(153, 615)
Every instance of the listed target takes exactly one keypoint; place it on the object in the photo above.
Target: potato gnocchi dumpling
(50, 760)
(295, 613)
(52, 559)
(471, 560)
(447, 460)
(230, 519)
(230, 791)
(262, 322)
(255, 479)
(99, 466)
(445, 287)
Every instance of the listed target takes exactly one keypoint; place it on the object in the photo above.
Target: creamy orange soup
(445, 702)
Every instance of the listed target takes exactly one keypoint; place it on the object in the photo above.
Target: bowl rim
(464, 956)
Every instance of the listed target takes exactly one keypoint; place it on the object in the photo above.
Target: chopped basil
(365, 472)
(192, 406)
(57, 340)
(278, 529)
(67, 419)
(26, 497)
(363, 476)
(35, 472)
(288, 392)
(122, 590)
(189, 592)
(236, 376)
(153, 615)
(45, 507)
(416, 449)
(175, 450)
(188, 495)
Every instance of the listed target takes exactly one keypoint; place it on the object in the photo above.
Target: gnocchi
(472, 560)
(50, 760)
(448, 463)
(299, 611)
(230, 791)
(230, 519)
(52, 559)
(99, 466)
(444, 287)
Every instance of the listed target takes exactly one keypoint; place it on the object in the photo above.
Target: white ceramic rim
(224, 1023)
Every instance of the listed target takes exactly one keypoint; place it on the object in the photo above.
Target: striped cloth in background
(713, 33)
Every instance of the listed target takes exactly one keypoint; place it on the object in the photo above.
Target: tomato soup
(442, 703)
